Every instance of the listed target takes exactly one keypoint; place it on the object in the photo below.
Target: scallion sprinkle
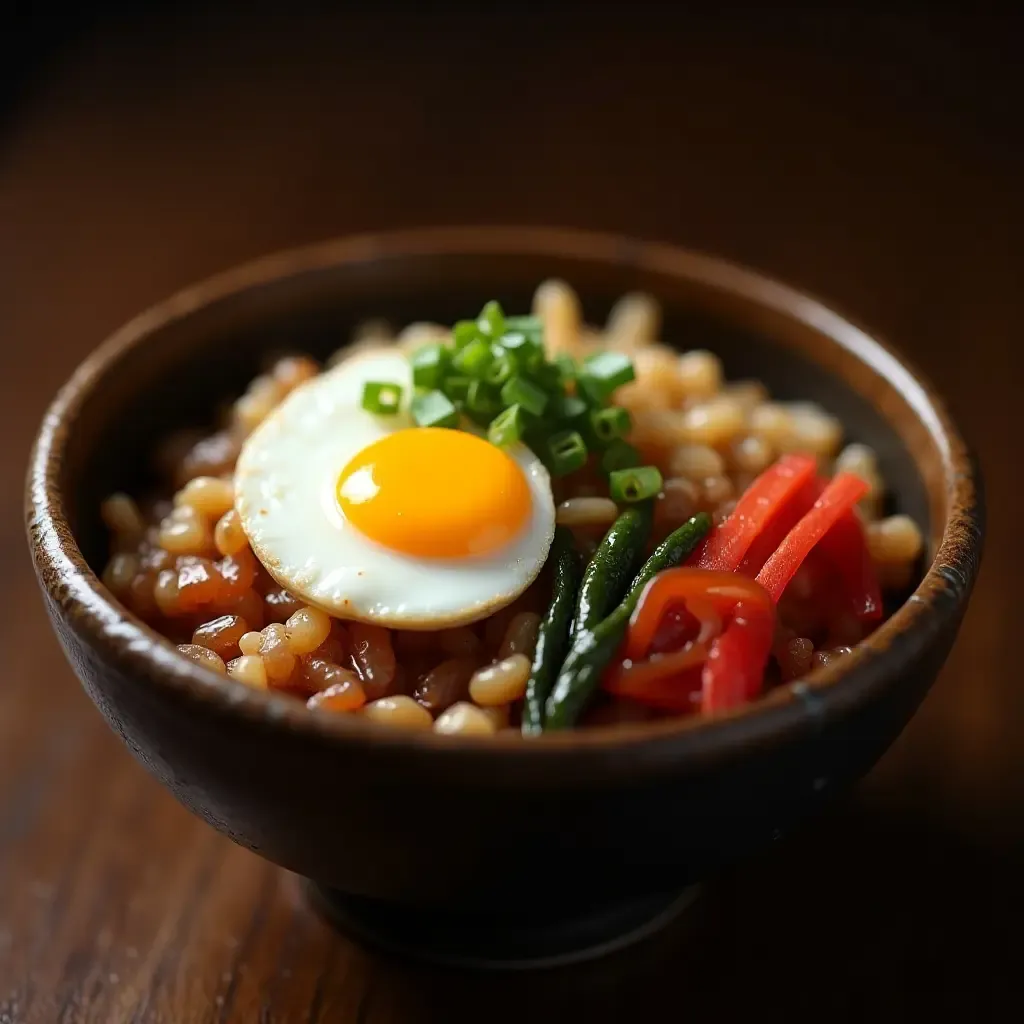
(610, 424)
(501, 369)
(519, 391)
(482, 401)
(381, 397)
(548, 376)
(456, 387)
(464, 332)
(507, 428)
(531, 326)
(632, 485)
(491, 322)
(602, 373)
(566, 408)
(522, 351)
(434, 409)
(567, 368)
(567, 452)
(619, 455)
(428, 366)
(474, 358)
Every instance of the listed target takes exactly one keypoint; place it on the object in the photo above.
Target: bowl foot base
(488, 942)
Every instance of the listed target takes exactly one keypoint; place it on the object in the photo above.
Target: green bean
(553, 635)
(615, 561)
(592, 649)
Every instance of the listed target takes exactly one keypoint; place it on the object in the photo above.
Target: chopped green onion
(548, 376)
(491, 322)
(610, 424)
(603, 373)
(464, 332)
(507, 428)
(381, 397)
(567, 452)
(474, 358)
(524, 352)
(482, 401)
(519, 391)
(501, 369)
(456, 387)
(531, 326)
(564, 408)
(515, 341)
(619, 455)
(434, 409)
(428, 365)
(567, 368)
(630, 485)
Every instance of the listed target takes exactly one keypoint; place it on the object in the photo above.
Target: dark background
(874, 159)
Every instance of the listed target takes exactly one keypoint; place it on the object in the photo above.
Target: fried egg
(373, 518)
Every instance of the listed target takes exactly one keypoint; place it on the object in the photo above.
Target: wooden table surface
(878, 167)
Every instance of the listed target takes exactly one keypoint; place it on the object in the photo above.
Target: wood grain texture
(854, 165)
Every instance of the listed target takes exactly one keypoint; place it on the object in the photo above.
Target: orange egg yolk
(435, 493)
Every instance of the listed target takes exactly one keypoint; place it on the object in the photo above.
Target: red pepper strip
(722, 591)
(671, 682)
(734, 671)
(845, 548)
(844, 491)
(762, 501)
(775, 532)
(679, 626)
(654, 680)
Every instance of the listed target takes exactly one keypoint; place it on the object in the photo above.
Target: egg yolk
(435, 493)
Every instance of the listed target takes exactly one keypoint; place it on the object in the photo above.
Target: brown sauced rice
(185, 567)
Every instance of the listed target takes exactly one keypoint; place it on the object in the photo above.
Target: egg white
(285, 493)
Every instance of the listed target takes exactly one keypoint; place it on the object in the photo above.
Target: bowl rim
(936, 605)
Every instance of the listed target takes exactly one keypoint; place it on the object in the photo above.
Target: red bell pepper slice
(765, 499)
(785, 519)
(838, 498)
(845, 547)
(733, 661)
(699, 589)
(734, 671)
(671, 682)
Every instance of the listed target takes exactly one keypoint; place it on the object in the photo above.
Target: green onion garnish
(549, 377)
(500, 369)
(521, 350)
(566, 368)
(519, 391)
(474, 358)
(464, 332)
(494, 372)
(491, 322)
(482, 402)
(434, 409)
(565, 408)
(514, 341)
(619, 455)
(567, 452)
(603, 373)
(610, 424)
(428, 366)
(630, 485)
(382, 398)
(456, 387)
(531, 326)
(507, 428)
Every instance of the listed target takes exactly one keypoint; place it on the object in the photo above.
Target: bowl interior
(193, 362)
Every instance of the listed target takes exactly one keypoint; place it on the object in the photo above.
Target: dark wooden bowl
(537, 846)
